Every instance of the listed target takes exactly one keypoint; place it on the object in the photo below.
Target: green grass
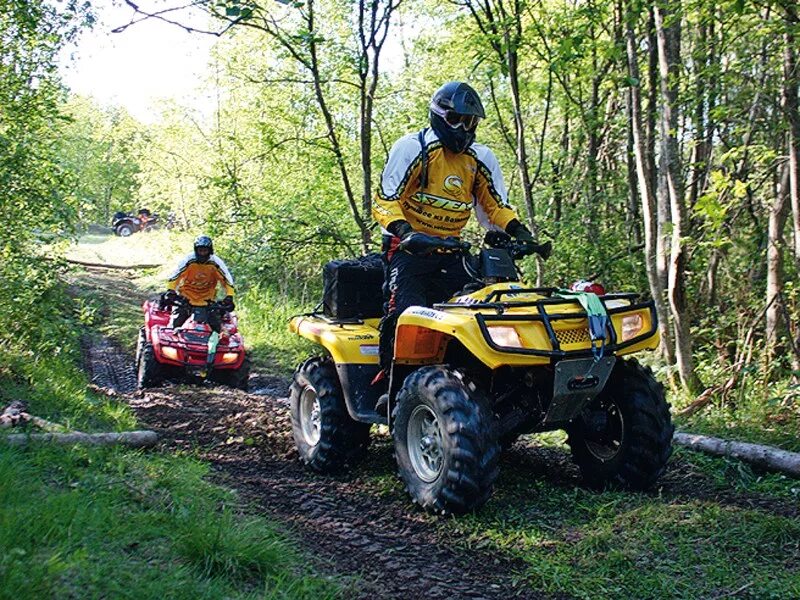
(617, 544)
(753, 413)
(264, 320)
(94, 523)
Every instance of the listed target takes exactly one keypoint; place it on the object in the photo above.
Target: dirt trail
(352, 525)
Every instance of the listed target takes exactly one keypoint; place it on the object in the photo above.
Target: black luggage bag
(353, 289)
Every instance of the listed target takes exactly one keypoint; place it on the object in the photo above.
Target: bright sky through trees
(139, 67)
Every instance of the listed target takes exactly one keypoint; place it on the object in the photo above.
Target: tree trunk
(789, 100)
(775, 241)
(134, 439)
(668, 34)
(646, 194)
(765, 457)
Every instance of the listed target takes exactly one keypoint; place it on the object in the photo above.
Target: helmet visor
(456, 120)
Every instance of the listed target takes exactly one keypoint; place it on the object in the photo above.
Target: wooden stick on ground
(105, 266)
(134, 439)
(766, 457)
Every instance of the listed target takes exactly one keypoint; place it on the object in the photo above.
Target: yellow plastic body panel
(347, 343)
(573, 334)
(358, 343)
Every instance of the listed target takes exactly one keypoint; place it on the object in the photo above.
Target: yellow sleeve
(490, 192)
(399, 177)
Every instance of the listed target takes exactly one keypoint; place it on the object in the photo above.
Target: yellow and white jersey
(457, 183)
(198, 281)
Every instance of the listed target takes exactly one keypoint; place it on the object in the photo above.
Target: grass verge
(113, 522)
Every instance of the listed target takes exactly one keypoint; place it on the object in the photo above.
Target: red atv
(191, 350)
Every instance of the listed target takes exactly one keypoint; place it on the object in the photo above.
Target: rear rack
(547, 320)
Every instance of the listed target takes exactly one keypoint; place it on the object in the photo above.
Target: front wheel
(150, 372)
(445, 441)
(327, 438)
(624, 437)
(235, 378)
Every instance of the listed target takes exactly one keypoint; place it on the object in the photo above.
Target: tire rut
(347, 524)
(108, 365)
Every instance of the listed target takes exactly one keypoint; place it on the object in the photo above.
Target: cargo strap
(598, 318)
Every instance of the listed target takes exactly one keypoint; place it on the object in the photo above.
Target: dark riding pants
(415, 280)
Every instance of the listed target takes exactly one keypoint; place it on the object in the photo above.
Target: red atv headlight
(169, 352)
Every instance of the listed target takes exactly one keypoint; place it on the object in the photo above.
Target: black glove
(523, 235)
(400, 229)
(519, 231)
(227, 303)
(422, 243)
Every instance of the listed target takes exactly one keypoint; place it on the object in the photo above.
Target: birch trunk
(646, 192)
(668, 31)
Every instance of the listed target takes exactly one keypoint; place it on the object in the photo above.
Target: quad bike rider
(468, 358)
(186, 329)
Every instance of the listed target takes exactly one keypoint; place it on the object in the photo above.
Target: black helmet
(455, 112)
(203, 241)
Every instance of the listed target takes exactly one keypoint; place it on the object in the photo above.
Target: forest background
(656, 145)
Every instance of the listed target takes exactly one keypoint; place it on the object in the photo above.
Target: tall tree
(668, 31)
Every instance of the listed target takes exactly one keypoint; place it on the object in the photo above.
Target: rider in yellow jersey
(431, 183)
(197, 277)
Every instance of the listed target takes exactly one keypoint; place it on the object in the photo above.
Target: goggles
(456, 120)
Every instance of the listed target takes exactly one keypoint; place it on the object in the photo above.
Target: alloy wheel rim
(310, 419)
(605, 445)
(424, 441)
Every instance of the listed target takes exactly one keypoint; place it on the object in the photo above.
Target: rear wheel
(624, 437)
(150, 372)
(124, 230)
(445, 441)
(327, 438)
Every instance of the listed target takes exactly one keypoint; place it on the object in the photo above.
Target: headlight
(505, 336)
(631, 326)
(230, 357)
(169, 352)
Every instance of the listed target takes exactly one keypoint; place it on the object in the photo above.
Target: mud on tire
(624, 437)
(327, 438)
(149, 373)
(437, 407)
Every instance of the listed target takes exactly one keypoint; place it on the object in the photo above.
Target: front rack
(547, 320)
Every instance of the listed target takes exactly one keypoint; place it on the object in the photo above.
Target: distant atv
(192, 350)
(469, 376)
(126, 224)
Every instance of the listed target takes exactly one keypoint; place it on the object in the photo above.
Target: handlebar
(517, 249)
(422, 243)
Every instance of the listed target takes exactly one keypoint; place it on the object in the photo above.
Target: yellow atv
(469, 376)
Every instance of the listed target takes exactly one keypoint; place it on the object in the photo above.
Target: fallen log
(16, 414)
(134, 439)
(84, 263)
(766, 457)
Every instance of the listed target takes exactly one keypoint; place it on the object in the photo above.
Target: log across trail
(133, 439)
(766, 457)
